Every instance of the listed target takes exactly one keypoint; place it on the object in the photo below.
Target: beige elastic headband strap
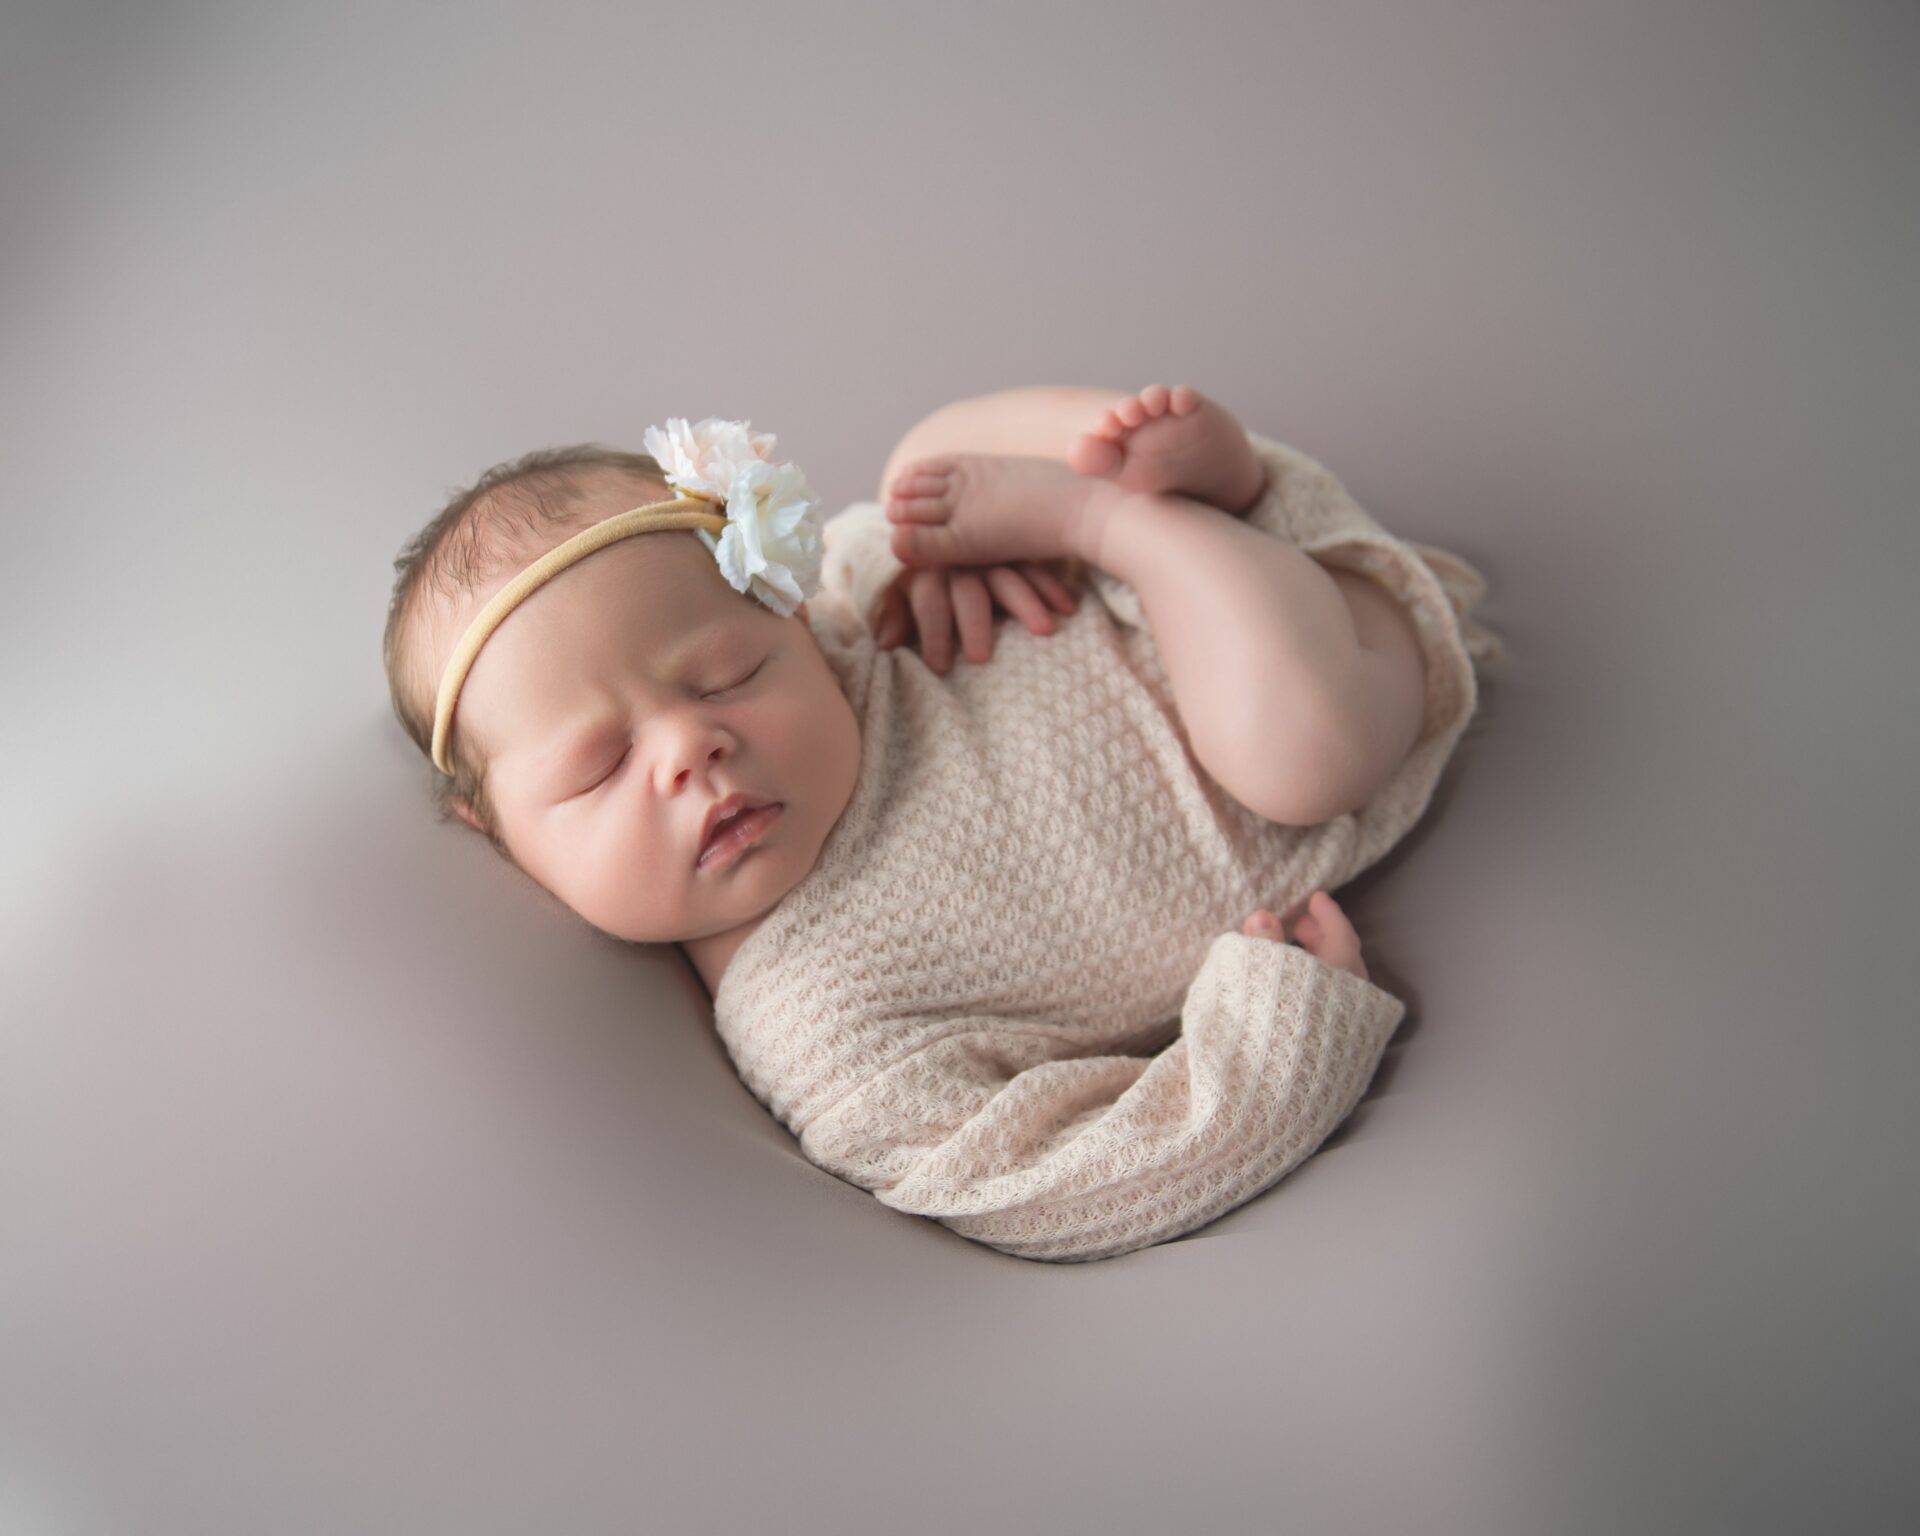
(688, 510)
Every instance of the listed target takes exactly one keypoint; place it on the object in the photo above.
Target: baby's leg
(1155, 439)
(1302, 689)
(1175, 441)
(1042, 421)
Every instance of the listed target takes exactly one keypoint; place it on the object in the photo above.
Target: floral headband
(767, 541)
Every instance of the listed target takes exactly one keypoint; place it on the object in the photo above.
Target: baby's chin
(744, 909)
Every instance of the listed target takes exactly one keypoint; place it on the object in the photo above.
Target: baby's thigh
(1378, 618)
(1393, 671)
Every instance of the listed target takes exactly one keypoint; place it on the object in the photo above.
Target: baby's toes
(921, 544)
(922, 493)
(1093, 454)
(1153, 399)
(919, 509)
(939, 467)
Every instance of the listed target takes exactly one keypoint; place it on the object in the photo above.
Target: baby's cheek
(782, 728)
(583, 872)
(627, 891)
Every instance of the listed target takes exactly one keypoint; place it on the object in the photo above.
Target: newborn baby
(1004, 947)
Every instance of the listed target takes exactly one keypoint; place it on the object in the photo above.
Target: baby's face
(625, 697)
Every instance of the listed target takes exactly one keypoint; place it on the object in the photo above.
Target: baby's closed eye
(727, 682)
(607, 776)
(737, 682)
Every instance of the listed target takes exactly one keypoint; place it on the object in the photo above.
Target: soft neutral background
(349, 1184)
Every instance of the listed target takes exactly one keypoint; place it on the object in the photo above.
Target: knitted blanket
(1012, 994)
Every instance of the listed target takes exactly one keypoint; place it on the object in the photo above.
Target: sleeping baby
(1041, 946)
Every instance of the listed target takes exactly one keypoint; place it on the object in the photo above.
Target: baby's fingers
(1015, 590)
(933, 616)
(934, 600)
(1056, 591)
(1324, 932)
(973, 610)
(890, 624)
(1263, 925)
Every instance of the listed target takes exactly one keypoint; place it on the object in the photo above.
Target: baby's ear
(465, 812)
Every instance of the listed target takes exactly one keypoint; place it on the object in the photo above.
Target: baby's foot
(1175, 441)
(989, 508)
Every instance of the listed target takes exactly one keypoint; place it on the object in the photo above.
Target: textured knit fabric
(1012, 993)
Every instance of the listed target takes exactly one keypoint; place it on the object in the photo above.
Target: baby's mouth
(733, 836)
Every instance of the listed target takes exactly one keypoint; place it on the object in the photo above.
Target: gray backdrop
(349, 1184)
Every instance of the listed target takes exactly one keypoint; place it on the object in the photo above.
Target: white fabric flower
(771, 547)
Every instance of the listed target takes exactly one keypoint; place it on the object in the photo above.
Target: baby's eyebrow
(572, 749)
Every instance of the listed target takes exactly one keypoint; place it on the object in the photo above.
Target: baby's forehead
(657, 595)
(664, 559)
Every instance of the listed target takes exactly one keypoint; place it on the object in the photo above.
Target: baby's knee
(1301, 776)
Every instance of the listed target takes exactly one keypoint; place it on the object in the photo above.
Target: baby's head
(618, 701)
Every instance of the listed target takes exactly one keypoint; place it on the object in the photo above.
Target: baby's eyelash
(731, 686)
(609, 773)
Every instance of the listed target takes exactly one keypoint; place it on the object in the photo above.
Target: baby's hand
(931, 598)
(1322, 931)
